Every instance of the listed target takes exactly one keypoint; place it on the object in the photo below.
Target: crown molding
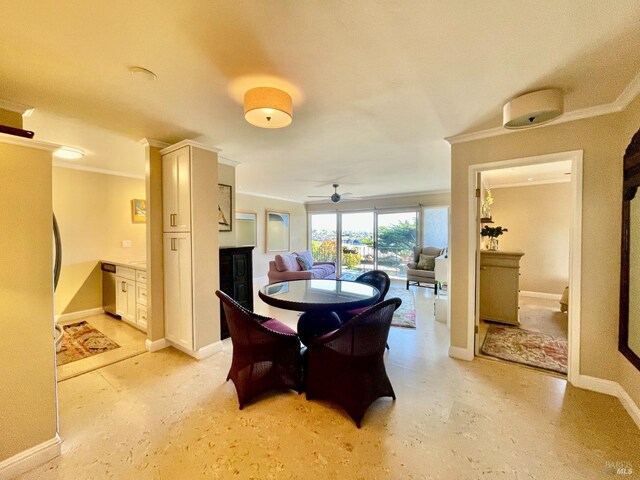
(190, 143)
(25, 110)
(261, 195)
(631, 91)
(28, 142)
(103, 171)
(150, 142)
(227, 161)
(549, 181)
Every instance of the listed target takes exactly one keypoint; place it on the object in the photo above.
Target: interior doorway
(569, 163)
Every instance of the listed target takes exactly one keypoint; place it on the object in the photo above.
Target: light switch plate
(126, 243)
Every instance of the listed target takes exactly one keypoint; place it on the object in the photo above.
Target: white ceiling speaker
(268, 107)
(533, 109)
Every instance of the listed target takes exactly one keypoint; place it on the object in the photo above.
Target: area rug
(526, 347)
(81, 340)
(405, 316)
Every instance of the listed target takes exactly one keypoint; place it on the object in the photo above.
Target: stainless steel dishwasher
(109, 288)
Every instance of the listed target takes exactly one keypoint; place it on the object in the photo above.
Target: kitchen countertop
(135, 264)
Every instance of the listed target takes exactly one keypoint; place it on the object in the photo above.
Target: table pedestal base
(316, 324)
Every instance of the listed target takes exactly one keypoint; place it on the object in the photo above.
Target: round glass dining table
(319, 300)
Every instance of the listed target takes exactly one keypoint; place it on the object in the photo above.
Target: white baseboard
(201, 353)
(65, 317)
(629, 405)
(609, 387)
(31, 458)
(461, 353)
(546, 296)
(155, 345)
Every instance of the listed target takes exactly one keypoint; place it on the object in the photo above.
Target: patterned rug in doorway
(526, 347)
(81, 340)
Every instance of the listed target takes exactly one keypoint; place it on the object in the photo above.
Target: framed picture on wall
(277, 232)
(225, 218)
(138, 210)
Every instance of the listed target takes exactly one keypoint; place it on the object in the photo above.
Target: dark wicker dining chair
(266, 352)
(346, 366)
(375, 278)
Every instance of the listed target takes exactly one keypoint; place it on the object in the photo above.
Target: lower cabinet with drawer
(131, 296)
(499, 286)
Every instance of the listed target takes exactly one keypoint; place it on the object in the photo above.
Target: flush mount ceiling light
(69, 153)
(267, 107)
(533, 109)
(142, 74)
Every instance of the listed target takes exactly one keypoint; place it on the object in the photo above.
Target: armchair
(416, 276)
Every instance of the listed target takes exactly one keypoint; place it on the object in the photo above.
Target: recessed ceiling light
(143, 74)
(69, 153)
(530, 179)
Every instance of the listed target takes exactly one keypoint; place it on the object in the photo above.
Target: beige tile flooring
(167, 416)
(131, 341)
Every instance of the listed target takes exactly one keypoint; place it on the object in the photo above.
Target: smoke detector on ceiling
(533, 109)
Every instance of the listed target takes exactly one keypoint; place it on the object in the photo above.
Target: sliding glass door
(397, 234)
(356, 246)
(324, 237)
(365, 240)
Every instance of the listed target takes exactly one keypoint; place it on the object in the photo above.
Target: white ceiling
(377, 85)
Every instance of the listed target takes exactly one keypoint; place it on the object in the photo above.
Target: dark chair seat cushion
(278, 326)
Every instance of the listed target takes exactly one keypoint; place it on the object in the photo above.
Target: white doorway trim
(575, 251)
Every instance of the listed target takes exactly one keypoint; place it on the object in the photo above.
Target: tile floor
(167, 416)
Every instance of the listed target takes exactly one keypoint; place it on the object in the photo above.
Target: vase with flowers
(492, 233)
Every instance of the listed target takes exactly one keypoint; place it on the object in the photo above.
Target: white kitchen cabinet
(190, 248)
(177, 289)
(126, 299)
(131, 296)
(176, 190)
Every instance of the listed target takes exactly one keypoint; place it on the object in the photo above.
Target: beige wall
(27, 397)
(259, 206)
(603, 140)
(94, 215)
(227, 176)
(538, 219)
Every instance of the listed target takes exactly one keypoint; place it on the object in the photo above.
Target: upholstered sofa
(415, 275)
(287, 267)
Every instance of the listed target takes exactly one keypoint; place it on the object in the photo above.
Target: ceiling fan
(336, 197)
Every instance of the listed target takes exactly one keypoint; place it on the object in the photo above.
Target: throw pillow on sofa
(304, 262)
(426, 262)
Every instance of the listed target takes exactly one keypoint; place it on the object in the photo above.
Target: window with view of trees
(324, 237)
(360, 247)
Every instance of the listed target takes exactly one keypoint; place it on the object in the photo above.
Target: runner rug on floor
(529, 348)
(405, 316)
(80, 341)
